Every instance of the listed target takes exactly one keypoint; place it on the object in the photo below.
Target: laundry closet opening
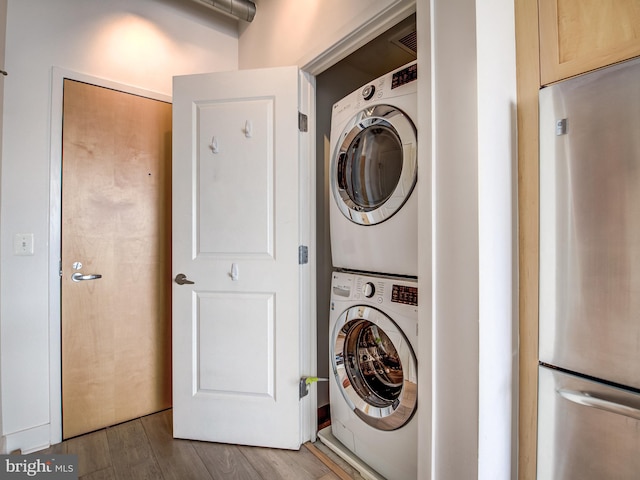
(392, 49)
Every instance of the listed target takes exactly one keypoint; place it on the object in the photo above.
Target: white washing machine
(373, 386)
(373, 174)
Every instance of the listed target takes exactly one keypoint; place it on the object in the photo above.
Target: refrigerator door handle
(587, 399)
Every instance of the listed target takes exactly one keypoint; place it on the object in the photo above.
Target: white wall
(473, 226)
(474, 294)
(425, 242)
(295, 32)
(141, 43)
(3, 28)
(455, 240)
(497, 240)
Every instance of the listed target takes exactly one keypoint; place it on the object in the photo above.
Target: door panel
(115, 223)
(236, 231)
(241, 132)
(576, 37)
(589, 227)
(242, 319)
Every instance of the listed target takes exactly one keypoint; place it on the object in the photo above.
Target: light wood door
(116, 207)
(237, 225)
(579, 36)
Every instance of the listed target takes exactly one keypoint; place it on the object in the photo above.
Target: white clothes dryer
(373, 389)
(373, 174)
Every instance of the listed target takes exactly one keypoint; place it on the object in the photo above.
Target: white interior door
(237, 227)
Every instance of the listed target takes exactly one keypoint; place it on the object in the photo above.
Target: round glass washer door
(375, 367)
(374, 167)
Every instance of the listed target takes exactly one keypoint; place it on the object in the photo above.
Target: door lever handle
(78, 277)
(181, 279)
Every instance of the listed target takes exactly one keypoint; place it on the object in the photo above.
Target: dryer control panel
(404, 76)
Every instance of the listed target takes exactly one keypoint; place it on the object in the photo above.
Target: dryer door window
(375, 368)
(375, 165)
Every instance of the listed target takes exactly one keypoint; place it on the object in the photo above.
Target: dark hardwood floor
(145, 449)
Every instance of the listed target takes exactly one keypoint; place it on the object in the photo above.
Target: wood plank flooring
(145, 449)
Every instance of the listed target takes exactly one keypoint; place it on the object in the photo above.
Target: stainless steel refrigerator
(589, 374)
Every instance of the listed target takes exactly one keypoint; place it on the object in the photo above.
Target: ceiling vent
(406, 40)
(240, 9)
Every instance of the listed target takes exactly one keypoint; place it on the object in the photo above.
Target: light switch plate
(23, 244)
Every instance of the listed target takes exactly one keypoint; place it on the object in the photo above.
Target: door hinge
(303, 122)
(303, 255)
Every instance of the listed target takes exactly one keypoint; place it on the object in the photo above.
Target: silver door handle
(588, 400)
(181, 279)
(78, 277)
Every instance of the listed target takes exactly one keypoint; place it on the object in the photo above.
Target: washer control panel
(376, 289)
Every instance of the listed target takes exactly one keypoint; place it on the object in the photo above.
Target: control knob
(368, 91)
(368, 289)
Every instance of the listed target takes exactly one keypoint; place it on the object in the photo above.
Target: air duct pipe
(241, 9)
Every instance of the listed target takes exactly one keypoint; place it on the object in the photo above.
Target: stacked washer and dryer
(374, 295)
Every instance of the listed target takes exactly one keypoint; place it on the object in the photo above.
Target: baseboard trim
(27, 441)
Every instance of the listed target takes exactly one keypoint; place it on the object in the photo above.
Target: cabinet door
(576, 37)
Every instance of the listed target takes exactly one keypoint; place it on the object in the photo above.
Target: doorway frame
(355, 36)
(58, 75)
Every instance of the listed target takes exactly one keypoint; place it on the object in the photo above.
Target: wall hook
(235, 273)
(248, 129)
(214, 145)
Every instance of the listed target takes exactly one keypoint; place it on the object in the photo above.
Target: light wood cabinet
(579, 36)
